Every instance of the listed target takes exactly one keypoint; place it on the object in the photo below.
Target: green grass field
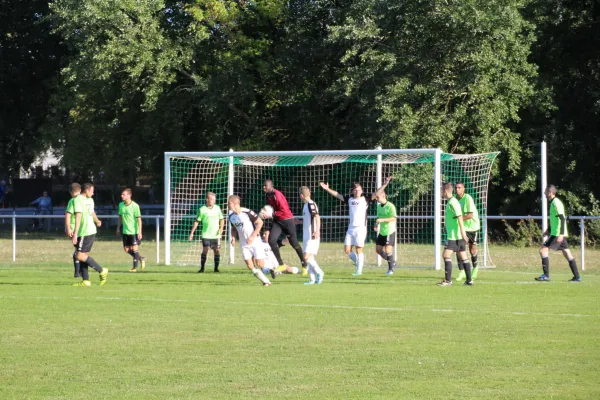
(172, 333)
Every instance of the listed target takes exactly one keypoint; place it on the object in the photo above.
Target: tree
(29, 63)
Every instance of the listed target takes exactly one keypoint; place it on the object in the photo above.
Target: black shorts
(131, 240)
(389, 240)
(85, 243)
(456, 245)
(212, 243)
(473, 236)
(551, 243)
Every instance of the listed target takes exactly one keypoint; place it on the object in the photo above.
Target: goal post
(415, 190)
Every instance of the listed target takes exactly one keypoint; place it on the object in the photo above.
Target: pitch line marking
(326, 306)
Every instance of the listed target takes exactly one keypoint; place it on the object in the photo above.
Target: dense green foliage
(112, 84)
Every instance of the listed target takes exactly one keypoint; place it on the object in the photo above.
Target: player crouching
(271, 264)
(248, 225)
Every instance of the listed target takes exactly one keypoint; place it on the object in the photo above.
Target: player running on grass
(213, 223)
(358, 204)
(558, 237)
(85, 234)
(457, 237)
(131, 219)
(248, 225)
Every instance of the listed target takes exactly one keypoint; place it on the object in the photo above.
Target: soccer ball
(266, 212)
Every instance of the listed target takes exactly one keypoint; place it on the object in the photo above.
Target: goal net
(414, 190)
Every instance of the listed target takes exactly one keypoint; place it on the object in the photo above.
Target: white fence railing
(157, 218)
(579, 218)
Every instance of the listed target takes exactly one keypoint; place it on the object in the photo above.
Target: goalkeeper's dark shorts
(212, 243)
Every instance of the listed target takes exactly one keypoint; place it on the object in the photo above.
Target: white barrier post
(378, 183)
(544, 179)
(14, 236)
(582, 238)
(157, 240)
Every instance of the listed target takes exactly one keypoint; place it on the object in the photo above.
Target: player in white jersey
(271, 263)
(248, 225)
(356, 234)
(311, 236)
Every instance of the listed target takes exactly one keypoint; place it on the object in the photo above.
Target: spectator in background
(3, 190)
(44, 207)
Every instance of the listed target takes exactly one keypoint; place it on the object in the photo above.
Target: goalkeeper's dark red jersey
(280, 205)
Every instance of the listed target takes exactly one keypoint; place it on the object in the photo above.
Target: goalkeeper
(283, 221)
(213, 222)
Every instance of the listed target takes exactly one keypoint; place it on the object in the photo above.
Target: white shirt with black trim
(358, 210)
(309, 212)
(244, 223)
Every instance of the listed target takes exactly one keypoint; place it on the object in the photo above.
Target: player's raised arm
(382, 188)
(332, 192)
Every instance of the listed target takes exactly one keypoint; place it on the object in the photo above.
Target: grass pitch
(172, 333)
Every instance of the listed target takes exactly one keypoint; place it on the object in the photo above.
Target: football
(266, 212)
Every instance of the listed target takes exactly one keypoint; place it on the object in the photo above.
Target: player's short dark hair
(268, 181)
(459, 183)
(87, 186)
(128, 190)
(74, 187)
(447, 185)
(552, 189)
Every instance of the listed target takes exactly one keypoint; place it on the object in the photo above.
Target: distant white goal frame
(436, 153)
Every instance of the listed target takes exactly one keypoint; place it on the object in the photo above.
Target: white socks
(314, 269)
(260, 276)
(360, 263)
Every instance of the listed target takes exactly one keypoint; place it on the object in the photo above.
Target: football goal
(415, 190)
